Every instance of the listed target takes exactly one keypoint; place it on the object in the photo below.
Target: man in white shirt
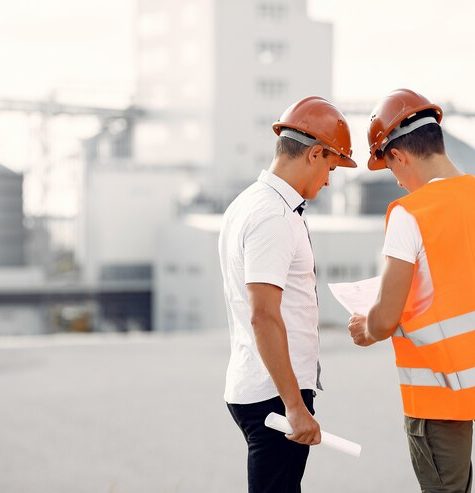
(270, 290)
(426, 300)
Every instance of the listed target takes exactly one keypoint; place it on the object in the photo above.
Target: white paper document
(359, 296)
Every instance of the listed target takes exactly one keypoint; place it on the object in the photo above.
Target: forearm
(379, 325)
(384, 317)
(271, 341)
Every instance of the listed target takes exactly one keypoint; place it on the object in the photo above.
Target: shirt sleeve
(268, 252)
(403, 238)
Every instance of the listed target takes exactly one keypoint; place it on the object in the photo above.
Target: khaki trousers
(441, 454)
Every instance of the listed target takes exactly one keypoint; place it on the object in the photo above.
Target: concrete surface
(144, 413)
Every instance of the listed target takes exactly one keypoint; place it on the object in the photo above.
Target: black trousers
(275, 464)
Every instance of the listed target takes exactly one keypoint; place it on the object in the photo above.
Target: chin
(314, 194)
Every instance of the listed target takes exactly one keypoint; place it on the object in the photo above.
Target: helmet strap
(299, 137)
(400, 131)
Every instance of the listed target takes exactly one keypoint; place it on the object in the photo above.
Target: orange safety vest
(435, 350)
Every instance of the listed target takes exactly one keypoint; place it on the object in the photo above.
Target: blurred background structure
(111, 201)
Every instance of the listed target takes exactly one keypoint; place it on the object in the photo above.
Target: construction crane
(50, 108)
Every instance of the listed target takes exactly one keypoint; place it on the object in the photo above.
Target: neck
(436, 166)
(287, 170)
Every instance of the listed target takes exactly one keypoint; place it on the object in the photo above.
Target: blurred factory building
(222, 72)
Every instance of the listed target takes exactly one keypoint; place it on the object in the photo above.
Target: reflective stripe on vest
(425, 377)
(439, 331)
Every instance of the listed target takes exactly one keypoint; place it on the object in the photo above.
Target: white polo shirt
(264, 240)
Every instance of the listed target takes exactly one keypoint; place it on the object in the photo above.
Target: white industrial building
(221, 72)
(123, 206)
(215, 74)
(211, 90)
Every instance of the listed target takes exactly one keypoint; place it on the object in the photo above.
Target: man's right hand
(358, 329)
(306, 429)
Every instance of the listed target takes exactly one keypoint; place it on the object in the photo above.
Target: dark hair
(422, 142)
(294, 149)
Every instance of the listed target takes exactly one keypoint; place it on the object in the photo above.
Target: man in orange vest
(427, 297)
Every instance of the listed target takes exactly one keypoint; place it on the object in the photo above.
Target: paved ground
(138, 414)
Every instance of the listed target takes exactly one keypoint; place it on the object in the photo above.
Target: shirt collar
(288, 193)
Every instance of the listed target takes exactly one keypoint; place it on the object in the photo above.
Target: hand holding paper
(358, 298)
(359, 331)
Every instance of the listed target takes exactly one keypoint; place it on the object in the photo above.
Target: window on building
(189, 90)
(194, 270)
(171, 268)
(154, 24)
(190, 52)
(336, 272)
(263, 160)
(374, 270)
(264, 124)
(160, 95)
(272, 88)
(153, 61)
(126, 272)
(191, 130)
(193, 320)
(241, 148)
(170, 300)
(268, 51)
(273, 11)
(160, 133)
(190, 15)
(342, 272)
(170, 320)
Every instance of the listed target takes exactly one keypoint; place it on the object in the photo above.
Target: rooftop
(316, 222)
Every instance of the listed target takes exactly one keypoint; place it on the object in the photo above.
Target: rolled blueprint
(280, 423)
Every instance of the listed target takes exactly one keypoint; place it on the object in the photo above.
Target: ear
(400, 156)
(315, 152)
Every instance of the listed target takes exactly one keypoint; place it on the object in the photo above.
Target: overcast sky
(427, 45)
(76, 46)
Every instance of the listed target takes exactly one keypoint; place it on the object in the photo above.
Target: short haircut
(422, 142)
(294, 149)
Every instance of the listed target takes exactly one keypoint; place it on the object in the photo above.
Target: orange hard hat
(318, 118)
(387, 116)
